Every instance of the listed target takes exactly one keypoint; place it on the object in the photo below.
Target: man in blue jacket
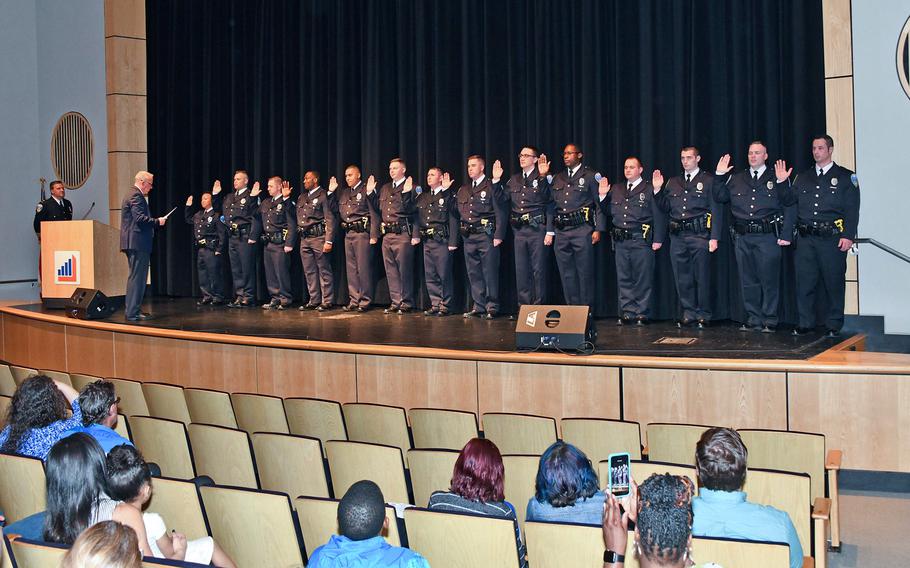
(137, 228)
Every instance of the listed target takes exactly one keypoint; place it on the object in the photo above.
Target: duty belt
(361, 225)
(643, 233)
(316, 230)
(527, 220)
(700, 224)
(239, 230)
(207, 243)
(396, 228)
(440, 233)
(486, 226)
(277, 237)
(571, 220)
(770, 224)
(821, 228)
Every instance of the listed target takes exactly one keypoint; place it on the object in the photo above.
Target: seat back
(177, 502)
(132, 399)
(674, 443)
(741, 553)
(788, 492)
(520, 482)
(166, 401)
(255, 528)
(5, 402)
(224, 454)
(797, 452)
(259, 413)
(553, 545)
(22, 373)
(7, 382)
(33, 554)
(60, 376)
(164, 442)
(455, 540)
(599, 437)
(123, 427)
(316, 418)
(22, 486)
(210, 407)
(519, 433)
(377, 424)
(435, 428)
(431, 470)
(319, 521)
(642, 470)
(80, 380)
(290, 464)
(349, 462)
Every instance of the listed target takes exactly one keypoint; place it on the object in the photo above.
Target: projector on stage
(554, 327)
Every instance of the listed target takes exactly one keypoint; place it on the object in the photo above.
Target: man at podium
(137, 228)
(54, 208)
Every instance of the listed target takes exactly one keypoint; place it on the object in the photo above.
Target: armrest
(832, 461)
(821, 509)
(644, 451)
(808, 562)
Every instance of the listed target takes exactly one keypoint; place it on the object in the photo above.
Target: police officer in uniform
(397, 208)
(827, 198)
(54, 208)
(761, 226)
(278, 221)
(483, 212)
(639, 230)
(241, 216)
(531, 217)
(577, 222)
(317, 225)
(437, 222)
(210, 240)
(359, 214)
(695, 220)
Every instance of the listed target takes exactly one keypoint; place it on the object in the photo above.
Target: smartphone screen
(620, 475)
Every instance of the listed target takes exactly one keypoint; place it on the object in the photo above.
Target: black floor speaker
(90, 304)
(554, 327)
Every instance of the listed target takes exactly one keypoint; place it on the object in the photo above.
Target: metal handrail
(884, 247)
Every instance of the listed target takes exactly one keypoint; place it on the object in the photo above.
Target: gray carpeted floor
(874, 530)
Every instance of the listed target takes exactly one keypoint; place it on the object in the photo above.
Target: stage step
(877, 340)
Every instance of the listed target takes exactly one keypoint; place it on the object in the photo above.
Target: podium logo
(531, 320)
(67, 266)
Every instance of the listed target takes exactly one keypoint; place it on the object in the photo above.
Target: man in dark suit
(137, 228)
(54, 208)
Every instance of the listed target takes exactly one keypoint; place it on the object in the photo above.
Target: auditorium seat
(5, 402)
(255, 528)
(132, 399)
(377, 424)
(123, 427)
(799, 452)
(437, 428)
(290, 464)
(554, 545)
(165, 443)
(431, 470)
(35, 554)
(58, 376)
(7, 382)
(519, 433)
(21, 373)
(316, 418)
(166, 401)
(22, 486)
(742, 553)
(177, 501)
(520, 482)
(80, 380)
(600, 437)
(210, 407)
(349, 462)
(259, 413)
(673, 443)
(461, 540)
(319, 521)
(224, 454)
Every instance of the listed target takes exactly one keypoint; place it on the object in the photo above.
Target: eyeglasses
(526, 156)
(117, 400)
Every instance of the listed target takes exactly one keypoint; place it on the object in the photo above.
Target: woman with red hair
(477, 488)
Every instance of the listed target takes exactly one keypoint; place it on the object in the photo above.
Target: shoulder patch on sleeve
(854, 180)
(39, 208)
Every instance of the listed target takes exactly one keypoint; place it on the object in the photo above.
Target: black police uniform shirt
(276, 216)
(484, 201)
(206, 226)
(684, 200)
(396, 205)
(832, 198)
(438, 209)
(315, 207)
(630, 209)
(51, 210)
(528, 195)
(241, 208)
(355, 204)
(575, 189)
(751, 199)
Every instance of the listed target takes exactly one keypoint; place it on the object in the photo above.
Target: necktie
(525, 176)
(821, 172)
(688, 178)
(755, 175)
(474, 184)
(630, 186)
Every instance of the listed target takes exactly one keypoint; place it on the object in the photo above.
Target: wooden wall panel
(32, 343)
(401, 381)
(851, 298)
(3, 337)
(863, 415)
(127, 123)
(548, 390)
(124, 18)
(287, 372)
(839, 116)
(89, 351)
(838, 38)
(852, 268)
(740, 399)
(126, 65)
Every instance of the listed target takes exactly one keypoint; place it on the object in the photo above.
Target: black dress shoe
(347, 308)
(202, 302)
(641, 320)
(235, 303)
(305, 307)
(702, 323)
(431, 311)
(393, 309)
(324, 307)
(749, 327)
(281, 307)
(442, 313)
(685, 322)
(216, 302)
(404, 310)
(472, 314)
(832, 333)
(490, 315)
(245, 304)
(802, 330)
(768, 328)
(271, 305)
(141, 317)
(363, 309)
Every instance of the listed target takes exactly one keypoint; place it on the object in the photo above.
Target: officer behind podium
(240, 210)
(317, 225)
(437, 222)
(210, 240)
(695, 220)
(577, 222)
(761, 226)
(278, 221)
(54, 208)
(397, 208)
(359, 214)
(827, 198)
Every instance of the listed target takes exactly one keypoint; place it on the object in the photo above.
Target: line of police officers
(567, 211)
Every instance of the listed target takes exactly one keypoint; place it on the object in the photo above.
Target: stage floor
(660, 339)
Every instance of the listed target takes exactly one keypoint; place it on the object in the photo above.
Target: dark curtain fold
(278, 87)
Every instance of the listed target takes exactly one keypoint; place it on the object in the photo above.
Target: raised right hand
(657, 180)
(216, 187)
(333, 184)
(189, 201)
(371, 185)
(723, 165)
(543, 165)
(603, 187)
(256, 190)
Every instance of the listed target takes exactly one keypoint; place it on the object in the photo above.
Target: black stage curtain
(278, 87)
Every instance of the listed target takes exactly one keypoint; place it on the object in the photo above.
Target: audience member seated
(130, 481)
(477, 487)
(721, 508)
(37, 416)
(361, 519)
(99, 406)
(567, 488)
(105, 545)
(77, 493)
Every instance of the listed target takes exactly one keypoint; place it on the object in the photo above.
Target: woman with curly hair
(37, 416)
(567, 488)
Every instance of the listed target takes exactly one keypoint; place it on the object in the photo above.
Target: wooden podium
(80, 254)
